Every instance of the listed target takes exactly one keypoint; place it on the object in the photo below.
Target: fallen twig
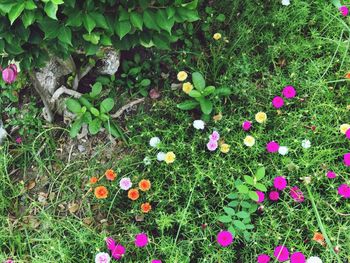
(125, 107)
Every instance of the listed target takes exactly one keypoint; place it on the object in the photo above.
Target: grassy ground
(270, 46)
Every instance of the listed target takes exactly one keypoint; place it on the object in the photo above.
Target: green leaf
(261, 187)
(94, 126)
(148, 19)
(195, 94)
(187, 105)
(99, 19)
(206, 106)
(15, 12)
(221, 17)
(65, 35)
(229, 211)
(253, 195)
(96, 89)
(122, 28)
(232, 230)
(164, 22)
(242, 214)
(247, 236)
(73, 105)
(92, 38)
(75, 19)
(87, 116)
(243, 189)
(107, 105)
(191, 5)
(223, 91)
(145, 82)
(136, 20)
(51, 10)
(245, 204)
(260, 173)
(75, 128)
(249, 180)
(232, 196)
(30, 5)
(233, 203)
(114, 130)
(94, 111)
(198, 81)
(106, 40)
(250, 227)
(239, 224)
(208, 90)
(28, 18)
(225, 219)
(89, 22)
(170, 11)
(336, 3)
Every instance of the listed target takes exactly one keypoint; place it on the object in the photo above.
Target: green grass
(313, 40)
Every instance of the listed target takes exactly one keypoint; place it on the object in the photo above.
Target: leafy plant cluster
(31, 30)
(239, 211)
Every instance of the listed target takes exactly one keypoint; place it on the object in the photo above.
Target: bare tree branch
(64, 90)
(125, 107)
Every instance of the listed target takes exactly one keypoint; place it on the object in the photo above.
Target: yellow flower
(182, 75)
(217, 117)
(187, 87)
(225, 148)
(169, 157)
(249, 141)
(261, 117)
(217, 36)
(344, 127)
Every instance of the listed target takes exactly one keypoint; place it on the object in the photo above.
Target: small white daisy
(154, 142)
(161, 156)
(199, 124)
(147, 161)
(283, 150)
(102, 257)
(306, 144)
(286, 2)
(313, 260)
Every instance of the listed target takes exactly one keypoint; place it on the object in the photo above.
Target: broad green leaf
(106, 40)
(51, 10)
(30, 5)
(222, 91)
(107, 105)
(94, 111)
(104, 117)
(145, 82)
(232, 230)
(208, 90)
(243, 189)
(170, 11)
(95, 126)
(206, 106)
(249, 180)
(136, 20)
(229, 211)
(261, 187)
(191, 5)
(336, 3)
(195, 94)
(260, 173)
(65, 35)
(73, 105)
(75, 128)
(28, 18)
(89, 22)
(16, 11)
(247, 236)
(253, 195)
(164, 22)
(149, 21)
(245, 204)
(99, 19)
(249, 227)
(112, 129)
(87, 117)
(92, 38)
(75, 19)
(233, 203)
(57, 2)
(161, 41)
(122, 28)
(225, 219)
(253, 208)
(221, 18)
(198, 81)
(187, 105)
(232, 196)
(239, 224)
(242, 214)
(96, 89)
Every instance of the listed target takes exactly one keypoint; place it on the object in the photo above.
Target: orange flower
(101, 192)
(144, 185)
(110, 174)
(133, 194)
(93, 180)
(347, 75)
(146, 207)
(319, 238)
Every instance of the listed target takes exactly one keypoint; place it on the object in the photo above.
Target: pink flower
(297, 194)
(278, 102)
(289, 92)
(141, 240)
(156, 261)
(347, 159)
(247, 125)
(9, 261)
(297, 257)
(280, 183)
(18, 140)
(344, 191)
(263, 258)
(274, 195)
(344, 10)
(118, 252)
(215, 136)
(261, 196)
(212, 145)
(281, 253)
(272, 147)
(347, 134)
(331, 174)
(224, 238)
(9, 74)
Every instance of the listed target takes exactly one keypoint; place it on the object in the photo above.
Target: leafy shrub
(31, 30)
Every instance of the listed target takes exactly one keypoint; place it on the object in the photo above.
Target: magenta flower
(215, 136)
(212, 145)
(19, 140)
(9, 74)
(297, 194)
(281, 253)
(289, 92)
(156, 261)
(224, 238)
(274, 195)
(347, 159)
(263, 258)
(247, 125)
(272, 147)
(117, 250)
(261, 196)
(141, 240)
(344, 10)
(344, 191)
(297, 257)
(9, 261)
(331, 174)
(347, 134)
(280, 183)
(278, 102)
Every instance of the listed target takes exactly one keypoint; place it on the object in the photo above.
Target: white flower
(161, 156)
(125, 183)
(102, 257)
(283, 150)
(306, 144)
(154, 142)
(199, 124)
(285, 2)
(147, 161)
(313, 260)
